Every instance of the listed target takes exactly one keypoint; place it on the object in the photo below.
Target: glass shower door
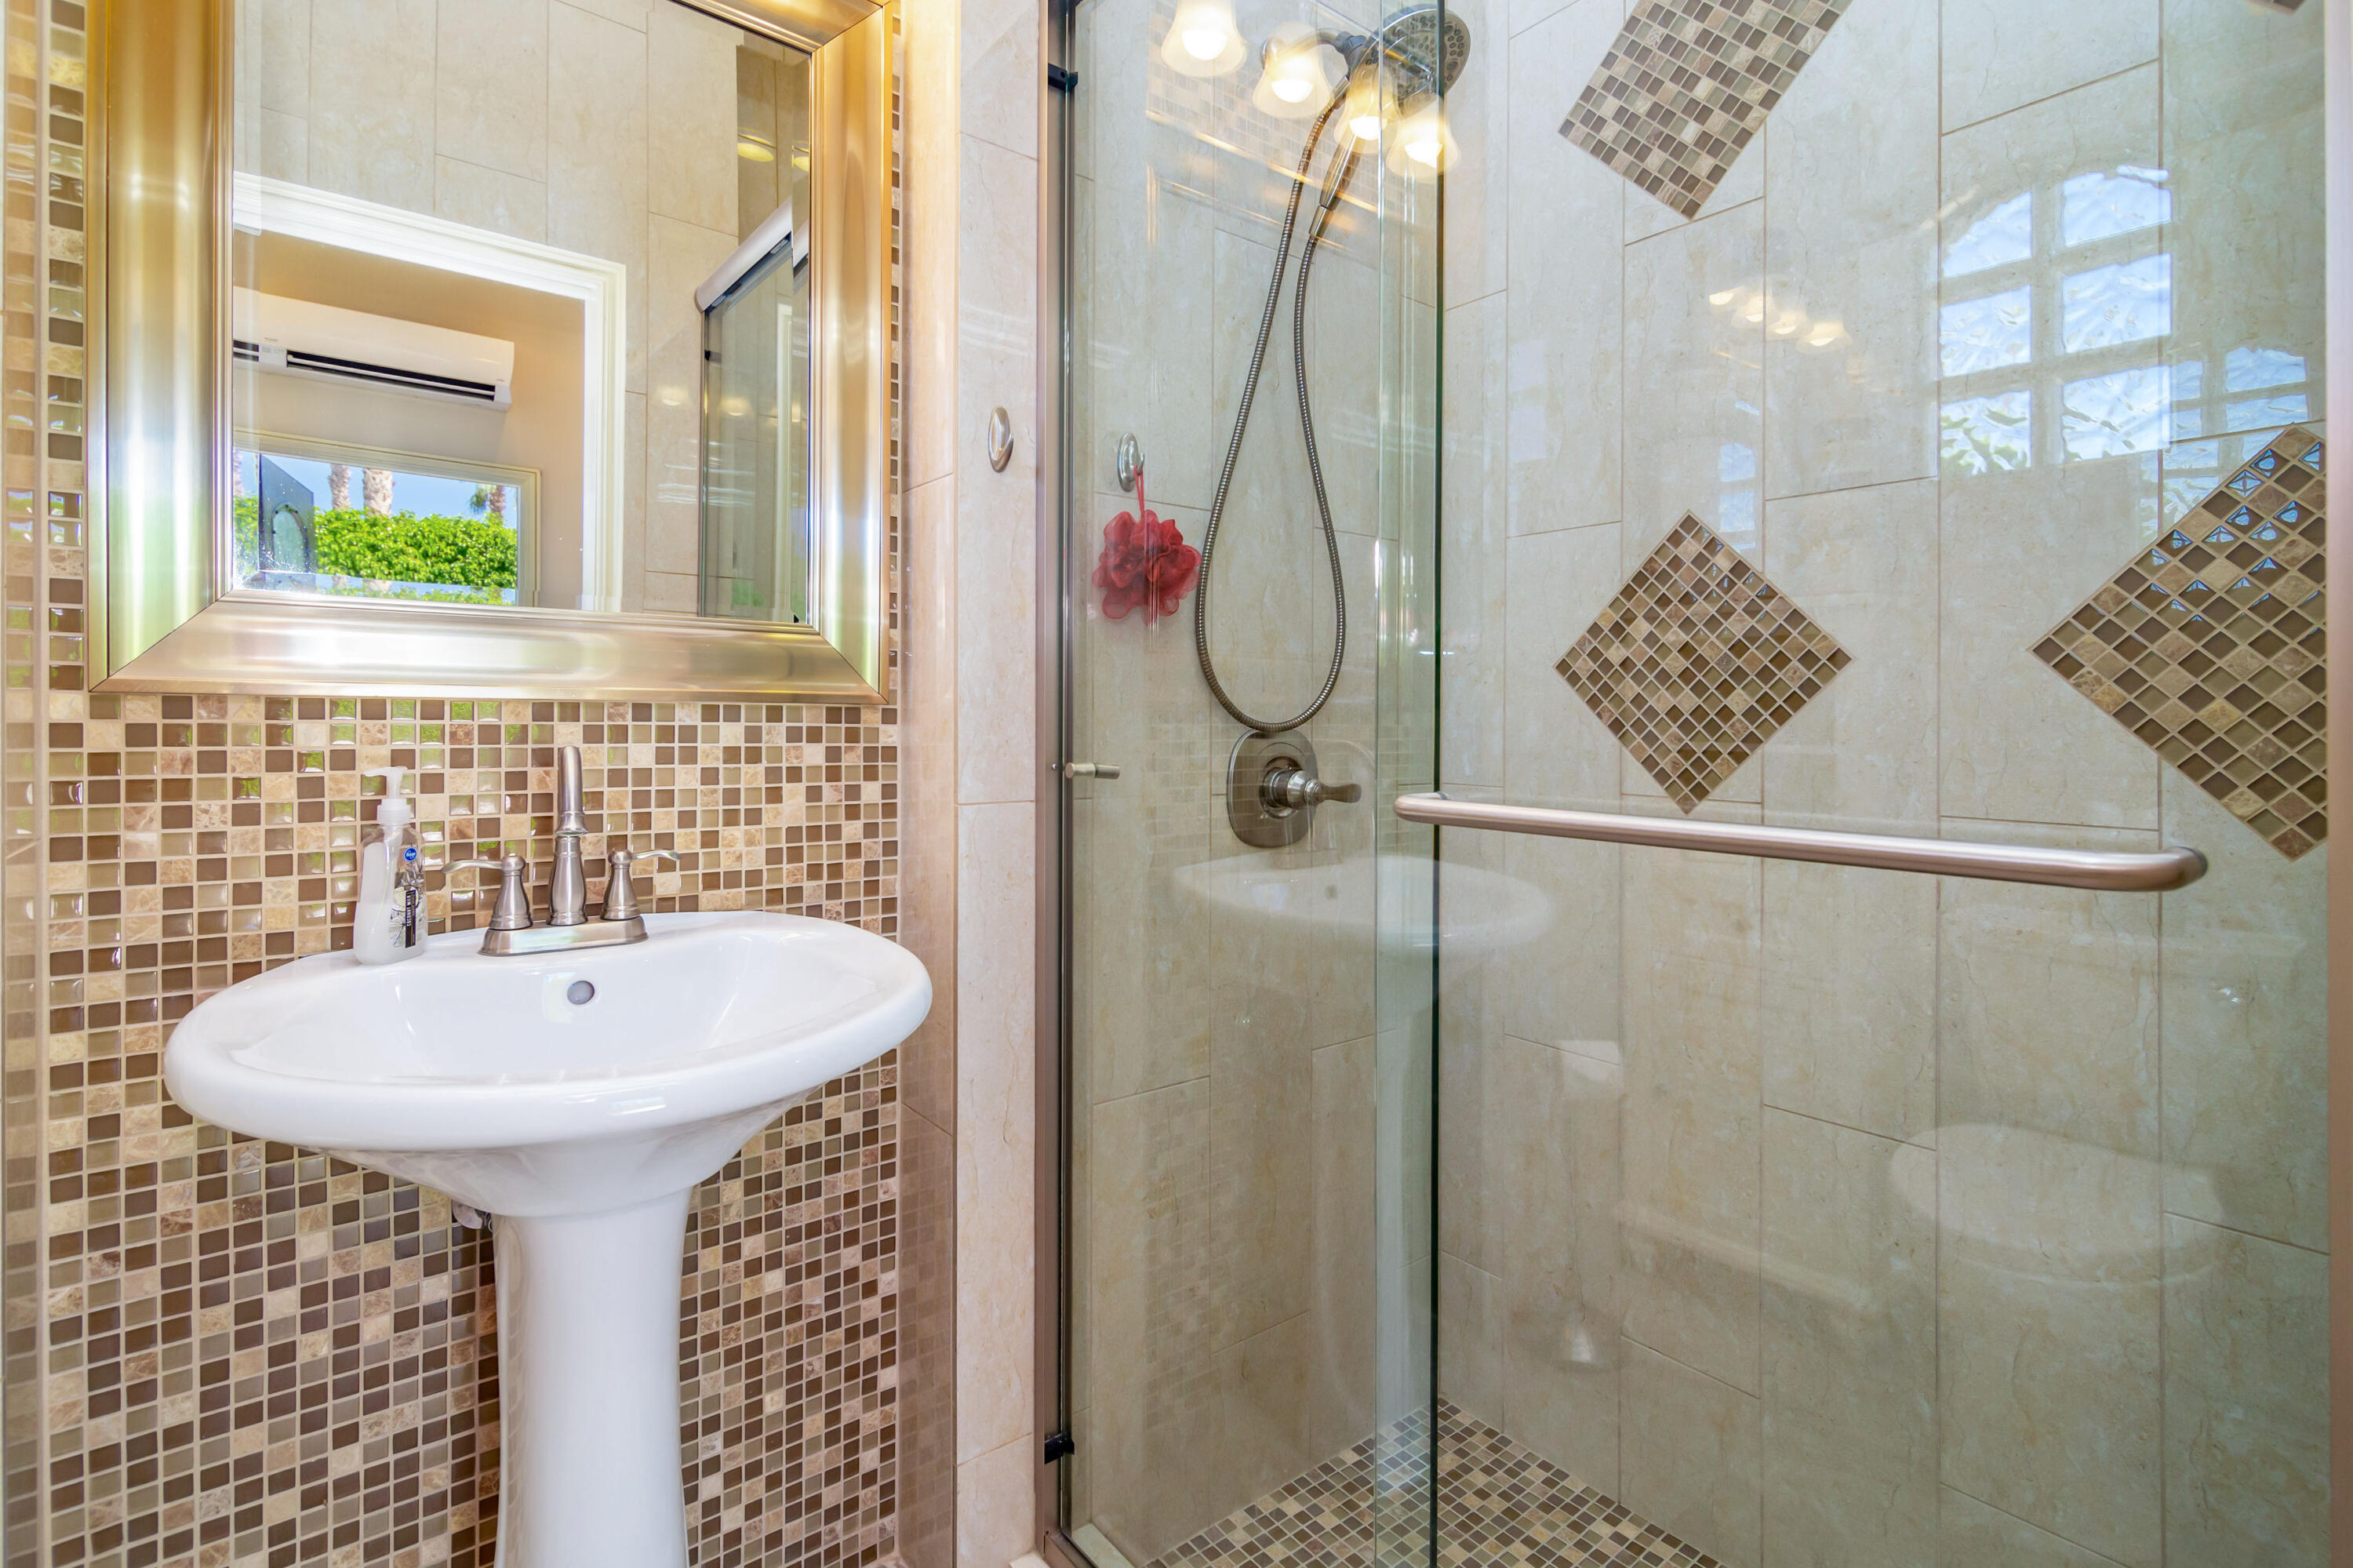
(1921, 438)
(1249, 1218)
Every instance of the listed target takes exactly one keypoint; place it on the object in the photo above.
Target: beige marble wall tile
(995, 1133)
(2047, 1013)
(1476, 579)
(2246, 1029)
(486, 199)
(1565, 365)
(681, 257)
(1469, 1338)
(491, 86)
(1478, 183)
(996, 561)
(996, 1506)
(1691, 1454)
(1850, 260)
(1002, 73)
(1862, 755)
(1694, 381)
(1850, 1353)
(927, 842)
(2047, 1331)
(273, 39)
(1261, 1438)
(1345, 363)
(1261, 1156)
(283, 147)
(2020, 551)
(2001, 53)
(928, 255)
(1556, 1157)
(1152, 1299)
(1692, 1055)
(631, 14)
(597, 130)
(1972, 1535)
(633, 501)
(2242, 143)
(1849, 955)
(1341, 1346)
(691, 156)
(672, 591)
(2246, 1413)
(377, 143)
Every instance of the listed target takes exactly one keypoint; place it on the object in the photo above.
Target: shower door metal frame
(1051, 1365)
(2337, 181)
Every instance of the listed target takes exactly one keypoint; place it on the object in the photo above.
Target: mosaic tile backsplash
(1698, 661)
(225, 1352)
(1688, 84)
(2211, 646)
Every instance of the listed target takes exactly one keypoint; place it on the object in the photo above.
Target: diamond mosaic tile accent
(1688, 83)
(2211, 645)
(1497, 1503)
(1698, 661)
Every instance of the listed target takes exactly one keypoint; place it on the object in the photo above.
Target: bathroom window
(311, 518)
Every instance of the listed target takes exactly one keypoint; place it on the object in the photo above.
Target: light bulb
(1364, 111)
(1295, 73)
(1203, 40)
(1422, 145)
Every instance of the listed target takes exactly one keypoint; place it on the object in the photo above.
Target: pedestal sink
(578, 1097)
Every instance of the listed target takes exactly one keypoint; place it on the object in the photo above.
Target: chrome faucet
(510, 930)
(567, 885)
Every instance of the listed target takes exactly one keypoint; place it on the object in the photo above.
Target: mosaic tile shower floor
(1497, 1503)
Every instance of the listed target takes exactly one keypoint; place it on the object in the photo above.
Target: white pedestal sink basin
(579, 1097)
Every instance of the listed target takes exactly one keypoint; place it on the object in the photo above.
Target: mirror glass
(504, 334)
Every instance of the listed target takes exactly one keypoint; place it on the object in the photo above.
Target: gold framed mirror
(225, 538)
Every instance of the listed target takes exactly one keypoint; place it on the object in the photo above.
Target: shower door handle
(2100, 871)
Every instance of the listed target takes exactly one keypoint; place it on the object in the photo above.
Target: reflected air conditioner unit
(301, 338)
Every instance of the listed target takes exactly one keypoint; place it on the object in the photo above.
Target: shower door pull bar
(2100, 871)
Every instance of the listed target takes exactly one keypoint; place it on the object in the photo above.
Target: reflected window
(379, 526)
(2004, 236)
(2123, 303)
(1985, 333)
(1988, 435)
(2112, 416)
(2101, 204)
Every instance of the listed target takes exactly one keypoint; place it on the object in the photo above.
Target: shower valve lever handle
(1297, 787)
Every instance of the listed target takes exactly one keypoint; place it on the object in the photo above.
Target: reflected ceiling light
(1296, 73)
(1422, 145)
(1203, 40)
(1364, 111)
(1825, 333)
(758, 148)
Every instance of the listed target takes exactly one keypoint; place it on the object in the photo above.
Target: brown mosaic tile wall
(225, 1352)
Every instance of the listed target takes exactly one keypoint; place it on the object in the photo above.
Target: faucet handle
(512, 911)
(621, 894)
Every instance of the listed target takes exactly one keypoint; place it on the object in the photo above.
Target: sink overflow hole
(579, 994)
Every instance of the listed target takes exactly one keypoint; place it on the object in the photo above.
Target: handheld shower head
(1427, 43)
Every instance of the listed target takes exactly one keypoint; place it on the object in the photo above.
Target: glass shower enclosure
(1829, 508)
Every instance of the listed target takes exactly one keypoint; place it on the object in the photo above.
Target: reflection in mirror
(471, 360)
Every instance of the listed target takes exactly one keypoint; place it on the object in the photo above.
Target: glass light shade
(1364, 112)
(1295, 73)
(1204, 39)
(1421, 146)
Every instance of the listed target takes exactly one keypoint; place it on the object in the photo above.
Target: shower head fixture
(1421, 50)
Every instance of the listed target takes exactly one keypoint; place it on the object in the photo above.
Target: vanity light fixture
(1204, 39)
(1297, 72)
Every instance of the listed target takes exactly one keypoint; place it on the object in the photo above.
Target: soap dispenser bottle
(388, 923)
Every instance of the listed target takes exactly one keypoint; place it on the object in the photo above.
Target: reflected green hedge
(401, 546)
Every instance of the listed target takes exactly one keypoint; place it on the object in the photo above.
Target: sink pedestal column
(590, 1474)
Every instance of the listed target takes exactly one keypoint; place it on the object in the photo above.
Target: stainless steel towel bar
(2098, 870)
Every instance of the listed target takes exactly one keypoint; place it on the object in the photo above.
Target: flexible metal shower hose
(1345, 164)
